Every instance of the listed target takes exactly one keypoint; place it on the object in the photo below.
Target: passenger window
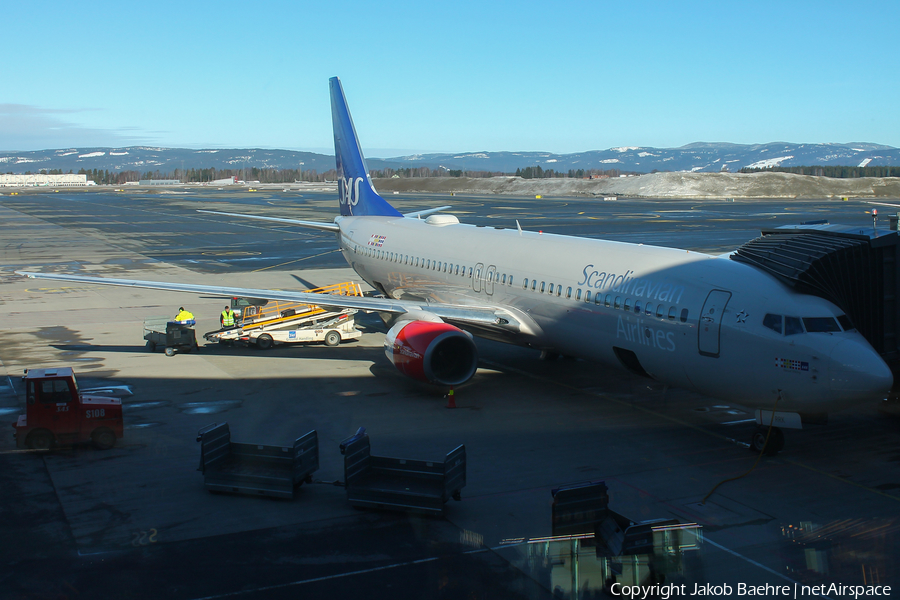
(551, 288)
(792, 326)
(773, 322)
(637, 306)
(470, 271)
(820, 324)
(587, 296)
(627, 306)
(533, 284)
(542, 287)
(618, 302)
(671, 313)
(659, 311)
(578, 293)
(428, 264)
(445, 267)
(648, 310)
(525, 285)
(684, 315)
(503, 278)
(510, 280)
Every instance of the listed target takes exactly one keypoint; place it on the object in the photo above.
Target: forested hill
(699, 157)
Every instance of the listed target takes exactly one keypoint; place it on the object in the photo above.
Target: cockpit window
(792, 326)
(773, 322)
(845, 322)
(820, 324)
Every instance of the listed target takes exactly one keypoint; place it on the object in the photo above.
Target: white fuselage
(684, 318)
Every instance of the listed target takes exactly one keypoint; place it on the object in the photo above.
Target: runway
(135, 521)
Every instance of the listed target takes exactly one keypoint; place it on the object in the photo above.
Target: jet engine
(434, 352)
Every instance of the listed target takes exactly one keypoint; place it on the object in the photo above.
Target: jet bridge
(856, 268)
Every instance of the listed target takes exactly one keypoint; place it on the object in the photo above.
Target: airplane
(688, 319)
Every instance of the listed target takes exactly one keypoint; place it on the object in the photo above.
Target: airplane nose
(858, 371)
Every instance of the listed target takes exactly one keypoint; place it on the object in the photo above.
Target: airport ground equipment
(175, 336)
(258, 320)
(331, 332)
(398, 483)
(255, 469)
(593, 547)
(57, 414)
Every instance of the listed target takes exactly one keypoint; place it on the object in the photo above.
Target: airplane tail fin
(357, 196)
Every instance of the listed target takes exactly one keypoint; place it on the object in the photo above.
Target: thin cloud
(24, 127)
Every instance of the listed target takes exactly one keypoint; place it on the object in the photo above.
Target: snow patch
(625, 148)
(67, 153)
(865, 161)
(646, 154)
(475, 155)
(92, 155)
(610, 160)
(551, 160)
(206, 151)
(117, 153)
(770, 162)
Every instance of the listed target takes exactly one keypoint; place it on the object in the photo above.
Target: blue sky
(460, 76)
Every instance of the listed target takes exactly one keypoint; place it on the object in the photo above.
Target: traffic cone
(451, 400)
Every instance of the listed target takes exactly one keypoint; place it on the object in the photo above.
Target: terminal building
(154, 182)
(38, 180)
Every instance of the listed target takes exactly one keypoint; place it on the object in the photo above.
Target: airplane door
(711, 322)
(489, 275)
(476, 277)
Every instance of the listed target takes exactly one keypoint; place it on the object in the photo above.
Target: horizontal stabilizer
(311, 224)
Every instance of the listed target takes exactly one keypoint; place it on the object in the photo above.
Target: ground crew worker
(227, 318)
(184, 315)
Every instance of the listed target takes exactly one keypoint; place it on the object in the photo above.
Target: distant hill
(697, 157)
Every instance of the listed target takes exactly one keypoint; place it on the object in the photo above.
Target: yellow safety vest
(184, 315)
(227, 318)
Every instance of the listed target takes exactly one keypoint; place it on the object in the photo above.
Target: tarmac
(136, 522)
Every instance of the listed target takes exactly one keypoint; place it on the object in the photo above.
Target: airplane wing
(485, 316)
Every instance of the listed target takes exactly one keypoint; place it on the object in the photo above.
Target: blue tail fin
(357, 195)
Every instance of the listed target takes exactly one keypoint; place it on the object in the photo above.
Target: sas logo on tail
(349, 190)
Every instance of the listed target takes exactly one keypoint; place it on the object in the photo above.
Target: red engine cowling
(433, 352)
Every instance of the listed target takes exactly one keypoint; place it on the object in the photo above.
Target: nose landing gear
(767, 442)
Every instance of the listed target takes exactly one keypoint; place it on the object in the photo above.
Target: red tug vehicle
(57, 414)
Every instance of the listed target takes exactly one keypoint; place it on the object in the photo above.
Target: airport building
(68, 180)
(159, 182)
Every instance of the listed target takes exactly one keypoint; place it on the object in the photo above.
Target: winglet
(357, 196)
